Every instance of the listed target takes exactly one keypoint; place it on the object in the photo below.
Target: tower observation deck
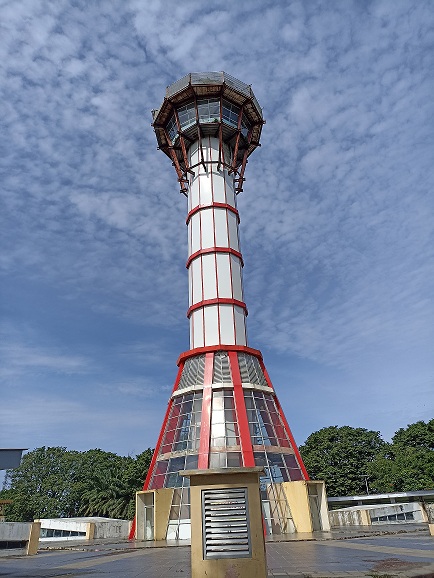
(223, 411)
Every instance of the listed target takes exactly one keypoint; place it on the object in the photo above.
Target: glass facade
(269, 437)
(224, 428)
(265, 424)
(251, 370)
(208, 111)
(193, 372)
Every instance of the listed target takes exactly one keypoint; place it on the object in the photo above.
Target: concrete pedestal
(227, 536)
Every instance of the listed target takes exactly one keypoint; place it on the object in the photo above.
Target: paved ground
(336, 555)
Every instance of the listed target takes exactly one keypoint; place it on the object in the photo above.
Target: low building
(90, 528)
(377, 509)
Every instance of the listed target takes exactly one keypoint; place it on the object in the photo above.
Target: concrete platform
(383, 552)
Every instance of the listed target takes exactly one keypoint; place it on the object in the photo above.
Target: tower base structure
(223, 413)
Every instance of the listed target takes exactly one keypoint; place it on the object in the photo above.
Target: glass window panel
(284, 443)
(218, 430)
(295, 475)
(217, 460)
(161, 467)
(233, 459)
(229, 403)
(218, 442)
(265, 416)
(185, 493)
(174, 513)
(176, 500)
(217, 403)
(191, 462)
(158, 482)
(249, 400)
(230, 415)
(187, 115)
(197, 404)
(290, 460)
(275, 459)
(270, 404)
(172, 128)
(260, 459)
(217, 417)
(230, 429)
(172, 480)
(214, 109)
(176, 464)
(186, 406)
(172, 422)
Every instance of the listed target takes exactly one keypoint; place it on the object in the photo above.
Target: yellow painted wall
(254, 567)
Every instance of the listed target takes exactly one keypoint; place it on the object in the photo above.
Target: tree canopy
(348, 458)
(340, 456)
(54, 482)
(406, 464)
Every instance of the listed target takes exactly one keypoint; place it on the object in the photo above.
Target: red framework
(210, 206)
(205, 429)
(240, 408)
(208, 250)
(217, 301)
(260, 430)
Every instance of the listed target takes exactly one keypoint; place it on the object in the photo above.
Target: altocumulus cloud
(336, 215)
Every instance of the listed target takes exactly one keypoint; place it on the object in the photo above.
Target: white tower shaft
(217, 310)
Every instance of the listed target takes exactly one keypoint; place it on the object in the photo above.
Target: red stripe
(240, 409)
(205, 424)
(215, 250)
(217, 301)
(213, 204)
(132, 533)
(163, 429)
(292, 440)
(198, 350)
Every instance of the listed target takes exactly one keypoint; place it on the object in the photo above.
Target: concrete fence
(19, 538)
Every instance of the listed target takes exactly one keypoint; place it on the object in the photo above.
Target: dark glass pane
(260, 458)
(176, 464)
(161, 467)
(290, 460)
(234, 459)
(295, 475)
(191, 462)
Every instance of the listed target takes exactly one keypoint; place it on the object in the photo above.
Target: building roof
(416, 496)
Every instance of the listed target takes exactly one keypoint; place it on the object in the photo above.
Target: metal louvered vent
(225, 520)
(193, 372)
(222, 372)
(251, 370)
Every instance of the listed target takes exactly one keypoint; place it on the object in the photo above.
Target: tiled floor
(379, 556)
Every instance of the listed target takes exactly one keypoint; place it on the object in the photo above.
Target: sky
(337, 213)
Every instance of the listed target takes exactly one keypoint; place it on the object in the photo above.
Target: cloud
(21, 356)
(336, 213)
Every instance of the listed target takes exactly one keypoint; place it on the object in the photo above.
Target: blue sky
(337, 212)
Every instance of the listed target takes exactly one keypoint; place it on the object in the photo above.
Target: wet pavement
(335, 554)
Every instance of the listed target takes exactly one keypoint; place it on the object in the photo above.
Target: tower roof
(208, 104)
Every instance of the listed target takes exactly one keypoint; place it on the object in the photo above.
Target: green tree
(39, 488)
(55, 482)
(407, 464)
(340, 456)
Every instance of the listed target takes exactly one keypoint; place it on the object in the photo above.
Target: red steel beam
(205, 426)
(241, 413)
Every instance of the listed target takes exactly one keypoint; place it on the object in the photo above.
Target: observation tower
(223, 411)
